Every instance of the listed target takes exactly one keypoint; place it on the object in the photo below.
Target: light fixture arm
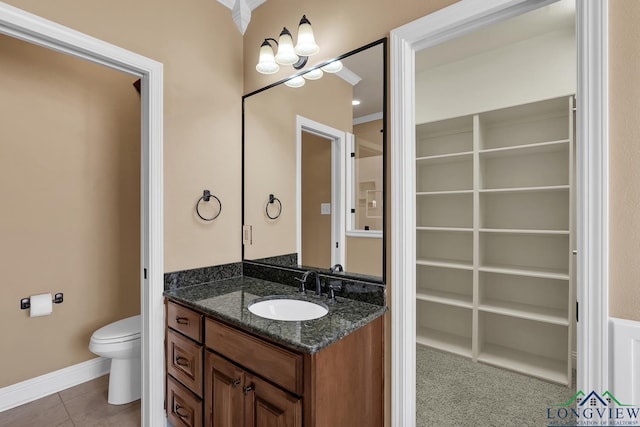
(266, 42)
(302, 61)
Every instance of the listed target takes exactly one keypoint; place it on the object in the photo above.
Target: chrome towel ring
(206, 196)
(272, 200)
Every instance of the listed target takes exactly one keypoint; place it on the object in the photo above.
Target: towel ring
(206, 196)
(272, 200)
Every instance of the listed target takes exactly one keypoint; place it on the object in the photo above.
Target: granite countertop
(227, 300)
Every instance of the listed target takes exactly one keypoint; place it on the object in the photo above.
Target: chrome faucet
(305, 278)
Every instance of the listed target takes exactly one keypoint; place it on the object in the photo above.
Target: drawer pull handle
(249, 388)
(178, 410)
(182, 320)
(236, 383)
(182, 361)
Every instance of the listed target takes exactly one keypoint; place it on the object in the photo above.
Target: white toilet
(120, 342)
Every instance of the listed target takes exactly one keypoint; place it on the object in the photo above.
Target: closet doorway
(469, 238)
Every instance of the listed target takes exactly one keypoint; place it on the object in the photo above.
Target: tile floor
(84, 405)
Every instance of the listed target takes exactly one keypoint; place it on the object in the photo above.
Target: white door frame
(338, 174)
(22, 25)
(592, 184)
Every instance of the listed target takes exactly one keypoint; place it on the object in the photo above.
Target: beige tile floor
(84, 405)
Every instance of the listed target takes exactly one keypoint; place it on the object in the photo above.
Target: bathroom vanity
(229, 367)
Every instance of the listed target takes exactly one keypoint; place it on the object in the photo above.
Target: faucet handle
(332, 287)
(302, 281)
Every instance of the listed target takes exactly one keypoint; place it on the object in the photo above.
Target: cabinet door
(224, 393)
(270, 406)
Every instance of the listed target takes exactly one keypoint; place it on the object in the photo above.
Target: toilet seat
(121, 331)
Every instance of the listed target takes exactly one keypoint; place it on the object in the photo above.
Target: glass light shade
(313, 74)
(306, 45)
(296, 81)
(332, 67)
(286, 55)
(267, 63)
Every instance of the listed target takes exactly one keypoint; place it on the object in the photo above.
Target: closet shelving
(494, 232)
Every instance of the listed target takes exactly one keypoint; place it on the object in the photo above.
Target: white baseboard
(624, 366)
(53, 382)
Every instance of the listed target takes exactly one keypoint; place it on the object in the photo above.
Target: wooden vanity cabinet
(249, 381)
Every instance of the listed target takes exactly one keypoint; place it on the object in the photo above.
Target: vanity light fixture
(287, 54)
(355, 102)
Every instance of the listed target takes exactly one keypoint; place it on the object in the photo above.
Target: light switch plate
(325, 208)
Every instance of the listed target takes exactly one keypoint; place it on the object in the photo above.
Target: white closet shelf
(454, 229)
(447, 263)
(448, 298)
(545, 273)
(444, 341)
(525, 363)
(525, 189)
(445, 158)
(438, 193)
(524, 231)
(526, 311)
(526, 149)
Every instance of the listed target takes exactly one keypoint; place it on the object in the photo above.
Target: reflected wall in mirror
(322, 157)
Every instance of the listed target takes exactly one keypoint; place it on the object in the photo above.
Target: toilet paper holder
(25, 303)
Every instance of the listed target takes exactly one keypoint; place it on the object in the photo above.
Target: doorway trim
(338, 197)
(25, 26)
(592, 185)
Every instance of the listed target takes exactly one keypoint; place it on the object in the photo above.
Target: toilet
(120, 342)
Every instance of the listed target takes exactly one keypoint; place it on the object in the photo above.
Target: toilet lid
(122, 330)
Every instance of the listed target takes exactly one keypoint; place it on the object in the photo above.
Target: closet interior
(494, 237)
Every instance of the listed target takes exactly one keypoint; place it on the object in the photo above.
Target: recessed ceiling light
(355, 102)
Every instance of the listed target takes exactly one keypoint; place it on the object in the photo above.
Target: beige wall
(624, 163)
(70, 222)
(364, 255)
(270, 154)
(316, 189)
(201, 50)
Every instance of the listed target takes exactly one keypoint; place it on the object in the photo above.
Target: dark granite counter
(227, 300)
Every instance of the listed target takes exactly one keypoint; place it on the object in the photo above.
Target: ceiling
(554, 17)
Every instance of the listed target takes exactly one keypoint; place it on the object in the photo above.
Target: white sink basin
(287, 309)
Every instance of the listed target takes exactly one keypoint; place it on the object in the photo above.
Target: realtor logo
(593, 409)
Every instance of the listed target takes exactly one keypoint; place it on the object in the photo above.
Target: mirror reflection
(314, 167)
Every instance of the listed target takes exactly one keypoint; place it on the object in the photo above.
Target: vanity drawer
(183, 407)
(272, 362)
(184, 361)
(185, 321)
